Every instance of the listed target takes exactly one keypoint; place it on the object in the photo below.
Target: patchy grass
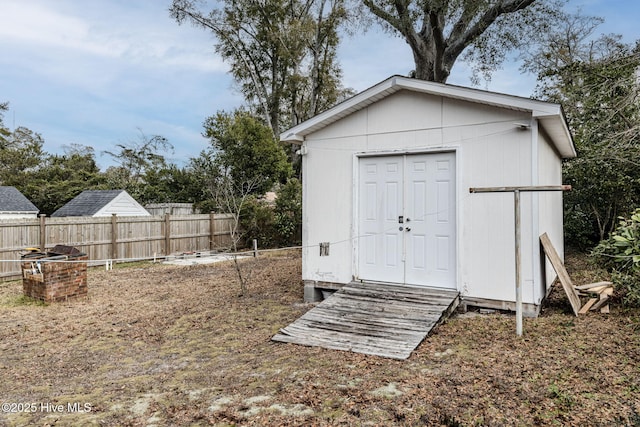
(171, 345)
(22, 300)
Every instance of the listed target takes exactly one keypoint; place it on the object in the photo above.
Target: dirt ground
(157, 345)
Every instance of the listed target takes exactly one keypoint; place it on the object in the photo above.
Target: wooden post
(516, 209)
(212, 231)
(167, 234)
(516, 201)
(255, 248)
(114, 237)
(43, 232)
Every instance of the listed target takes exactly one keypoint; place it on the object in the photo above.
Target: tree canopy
(282, 54)
(61, 177)
(245, 149)
(136, 159)
(20, 153)
(4, 132)
(283, 57)
(440, 31)
(595, 79)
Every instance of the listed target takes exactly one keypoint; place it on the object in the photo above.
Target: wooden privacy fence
(113, 238)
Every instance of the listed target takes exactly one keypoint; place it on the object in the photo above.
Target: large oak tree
(440, 32)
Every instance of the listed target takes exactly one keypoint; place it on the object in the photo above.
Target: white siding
(405, 121)
(122, 205)
(17, 215)
(550, 204)
(494, 153)
(327, 205)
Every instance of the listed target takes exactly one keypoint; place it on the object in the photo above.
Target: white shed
(99, 203)
(386, 179)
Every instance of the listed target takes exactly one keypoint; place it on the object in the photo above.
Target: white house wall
(494, 153)
(122, 205)
(17, 215)
(550, 204)
(490, 149)
(327, 208)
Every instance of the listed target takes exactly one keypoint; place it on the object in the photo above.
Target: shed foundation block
(311, 293)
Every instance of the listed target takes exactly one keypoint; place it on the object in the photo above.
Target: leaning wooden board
(558, 266)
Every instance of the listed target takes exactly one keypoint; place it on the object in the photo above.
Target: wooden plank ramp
(371, 318)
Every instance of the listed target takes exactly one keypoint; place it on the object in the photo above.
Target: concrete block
(311, 293)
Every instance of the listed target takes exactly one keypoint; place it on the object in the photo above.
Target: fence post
(114, 236)
(255, 248)
(212, 231)
(167, 234)
(43, 232)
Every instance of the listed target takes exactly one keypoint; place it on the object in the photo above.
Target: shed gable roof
(550, 115)
(87, 203)
(12, 200)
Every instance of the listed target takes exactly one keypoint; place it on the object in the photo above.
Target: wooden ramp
(382, 320)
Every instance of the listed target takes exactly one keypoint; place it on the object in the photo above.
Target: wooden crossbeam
(585, 309)
(591, 286)
(604, 298)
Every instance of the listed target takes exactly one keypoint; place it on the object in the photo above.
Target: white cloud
(92, 72)
(104, 32)
(28, 23)
(31, 22)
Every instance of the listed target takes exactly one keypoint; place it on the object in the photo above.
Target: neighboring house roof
(92, 202)
(550, 116)
(12, 200)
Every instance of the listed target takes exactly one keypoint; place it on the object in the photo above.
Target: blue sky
(96, 72)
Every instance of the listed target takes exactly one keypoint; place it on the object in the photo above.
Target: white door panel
(381, 181)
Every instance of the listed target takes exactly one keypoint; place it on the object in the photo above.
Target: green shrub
(579, 231)
(274, 226)
(257, 220)
(288, 213)
(630, 284)
(620, 253)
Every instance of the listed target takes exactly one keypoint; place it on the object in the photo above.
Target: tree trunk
(427, 67)
(439, 31)
(427, 70)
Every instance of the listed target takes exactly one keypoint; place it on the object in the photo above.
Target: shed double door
(406, 219)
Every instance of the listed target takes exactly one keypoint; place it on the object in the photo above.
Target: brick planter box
(46, 278)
